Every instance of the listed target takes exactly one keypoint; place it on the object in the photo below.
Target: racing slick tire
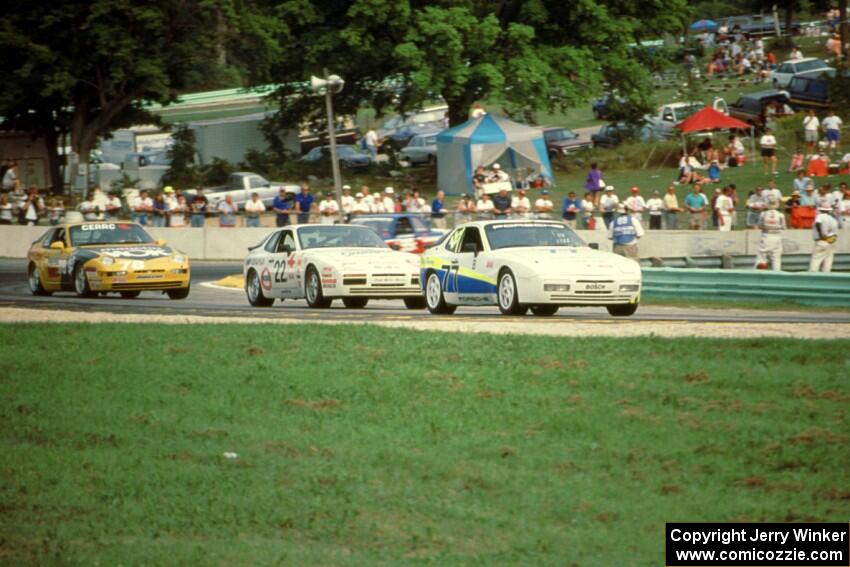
(34, 278)
(130, 294)
(415, 303)
(81, 282)
(622, 310)
(313, 290)
(507, 294)
(544, 310)
(181, 293)
(254, 291)
(435, 301)
(355, 302)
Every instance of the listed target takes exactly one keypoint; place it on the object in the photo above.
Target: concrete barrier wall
(233, 243)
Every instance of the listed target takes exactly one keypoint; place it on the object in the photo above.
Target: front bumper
(373, 286)
(580, 290)
(148, 279)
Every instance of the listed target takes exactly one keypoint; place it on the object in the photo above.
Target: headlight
(107, 260)
(556, 287)
(179, 258)
(630, 287)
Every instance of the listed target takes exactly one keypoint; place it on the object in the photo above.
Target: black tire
(81, 282)
(622, 310)
(34, 279)
(181, 293)
(129, 294)
(313, 290)
(355, 302)
(507, 295)
(254, 291)
(544, 310)
(435, 301)
(415, 303)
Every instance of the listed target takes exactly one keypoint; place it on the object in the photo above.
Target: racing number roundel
(266, 279)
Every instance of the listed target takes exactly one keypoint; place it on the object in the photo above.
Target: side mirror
(594, 245)
(160, 242)
(58, 245)
(288, 249)
(395, 246)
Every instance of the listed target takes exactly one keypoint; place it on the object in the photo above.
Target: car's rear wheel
(508, 295)
(81, 282)
(181, 293)
(34, 278)
(544, 310)
(130, 294)
(254, 291)
(415, 302)
(313, 290)
(622, 310)
(355, 302)
(434, 298)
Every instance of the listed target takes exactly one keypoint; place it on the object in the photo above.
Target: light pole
(330, 85)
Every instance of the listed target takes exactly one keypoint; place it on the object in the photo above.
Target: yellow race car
(101, 257)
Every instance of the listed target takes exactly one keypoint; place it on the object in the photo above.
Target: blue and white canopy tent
(486, 140)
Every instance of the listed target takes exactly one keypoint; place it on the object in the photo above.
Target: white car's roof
(803, 60)
(483, 223)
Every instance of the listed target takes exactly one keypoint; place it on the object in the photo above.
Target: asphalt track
(209, 301)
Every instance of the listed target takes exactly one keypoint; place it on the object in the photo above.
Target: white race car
(522, 264)
(326, 262)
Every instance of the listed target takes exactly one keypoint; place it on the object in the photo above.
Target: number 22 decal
(280, 271)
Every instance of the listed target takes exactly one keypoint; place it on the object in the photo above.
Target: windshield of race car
(381, 226)
(339, 236)
(512, 235)
(109, 233)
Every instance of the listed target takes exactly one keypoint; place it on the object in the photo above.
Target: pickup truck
(661, 124)
(240, 186)
(750, 108)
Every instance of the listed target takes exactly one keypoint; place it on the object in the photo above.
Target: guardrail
(824, 290)
(790, 262)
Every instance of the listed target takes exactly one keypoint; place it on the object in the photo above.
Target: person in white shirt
(844, 212)
(671, 209)
(795, 54)
(388, 201)
(90, 210)
(367, 198)
(113, 206)
(328, 209)
(359, 206)
(811, 125)
(724, 207)
(832, 124)
(497, 174)
(478, 111)
(178, 213)
(465, 210)
(655, 207)
(755, 206)
(521, 205)
(825, 235)
(484, 207)
(635, 204)
(415, 203)
(347, 201)
(768, 151)
(371, 140)
(608, 205)
(5, 210)
(254, 208)
(586, 211)
(771, 222)
(142, 207)
(543, 206)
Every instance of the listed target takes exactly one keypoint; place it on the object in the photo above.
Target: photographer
(90, 210)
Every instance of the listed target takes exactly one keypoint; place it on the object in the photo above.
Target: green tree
(89, 67)
(182, 171)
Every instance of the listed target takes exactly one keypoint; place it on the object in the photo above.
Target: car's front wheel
(81, 282)
(544, 310)
(622, 310)
(508, 296)
(313, 290)
(415, 302)
(355, 302)
(181, 293)
(34, 278)
(434, 298)
(254, 291)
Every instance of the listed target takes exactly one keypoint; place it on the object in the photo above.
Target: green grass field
(370, 446)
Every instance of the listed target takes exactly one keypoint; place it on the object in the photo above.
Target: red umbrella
(710, 119)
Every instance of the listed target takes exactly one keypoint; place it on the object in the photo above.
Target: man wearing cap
(254, 208)
(625, 231)
(608, 205)
(755, 206)
(671, 209)
(521, 205)
(304, 204)
(571, 209)
(360, 207)
(635, 204)
(438, 210)
(347, 201)
(807, 199)
(825, 234)
(696, 203)
(282, 205)
(501, 204)
(388, 201)
(497, 174)
(328, 209)
(199, 209)
(724, 206)
(771, 223)
(655, 207)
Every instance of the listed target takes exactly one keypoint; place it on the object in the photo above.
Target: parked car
(318, 139)
(402, 137)
(757, 25)
(348, 156)
(662, 123)
(241, 185)
(563, 141)
(408, 232)
(616, 133)
(421, 149)
(750, 107)
(781, 76)
(135, 160)
(601, 107)
(810, 90)
(398, 130)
